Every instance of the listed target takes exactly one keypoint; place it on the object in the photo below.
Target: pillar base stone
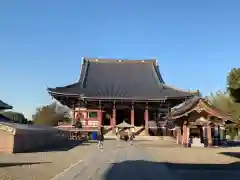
(210, 145)
(185, 145)
(146, 132)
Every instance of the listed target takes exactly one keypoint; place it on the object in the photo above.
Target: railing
(91, 122)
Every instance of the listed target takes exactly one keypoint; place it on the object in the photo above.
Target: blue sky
(42, 42)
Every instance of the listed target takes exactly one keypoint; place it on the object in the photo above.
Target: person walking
(131, 137)
(100, 138)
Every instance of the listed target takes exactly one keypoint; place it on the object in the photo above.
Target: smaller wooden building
(198, 123)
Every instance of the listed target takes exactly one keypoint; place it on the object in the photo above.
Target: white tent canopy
(124, 124)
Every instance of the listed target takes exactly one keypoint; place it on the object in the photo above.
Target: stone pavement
(118, 161)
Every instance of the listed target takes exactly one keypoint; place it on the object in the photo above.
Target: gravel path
(118, 161)
(198, 163)
(41, 165)
(145, 160)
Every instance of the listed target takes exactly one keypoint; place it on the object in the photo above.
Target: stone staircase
(139, 131)
(108, 132)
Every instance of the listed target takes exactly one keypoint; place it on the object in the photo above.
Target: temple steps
(139, 131)
(109, 131)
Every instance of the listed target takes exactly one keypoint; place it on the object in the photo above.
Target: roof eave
(5, 106)
(124, 98)
(52, 92)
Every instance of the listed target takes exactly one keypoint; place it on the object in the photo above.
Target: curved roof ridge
(179, 89)
(158, 76)
(106, 60)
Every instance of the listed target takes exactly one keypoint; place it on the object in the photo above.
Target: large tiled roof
(3, 105)
(120, 79)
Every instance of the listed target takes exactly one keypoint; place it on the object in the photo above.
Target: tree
(51, 114)
(225, 103)
(198, 93)
(15, 117)
(233, 83)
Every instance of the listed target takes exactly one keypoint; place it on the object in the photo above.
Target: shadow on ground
(146, 170)
(61, 146)
(231, 144)
(232, 154)
(2, 165)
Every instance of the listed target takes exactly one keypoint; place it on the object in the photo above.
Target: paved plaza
(144, 160)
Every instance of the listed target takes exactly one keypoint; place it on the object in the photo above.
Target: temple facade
(110, 91)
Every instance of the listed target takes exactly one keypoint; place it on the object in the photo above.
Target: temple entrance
(123, 115)
(139, 117)
(196, 136)
(107, 114)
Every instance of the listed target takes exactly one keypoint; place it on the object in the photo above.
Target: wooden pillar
(178, 134)
(209, 135)
(100, 115)
(74, 116)
(113, 121)
(146, 117)
(185, 135)
(132, 115)
(86, 119)
(204, 136)
(164, 130)
(216, 139)
(221, 134)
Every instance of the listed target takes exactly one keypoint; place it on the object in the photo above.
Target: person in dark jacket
(131, 137)
(100, 138)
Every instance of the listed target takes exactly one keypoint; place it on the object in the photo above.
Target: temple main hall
(114, 91)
